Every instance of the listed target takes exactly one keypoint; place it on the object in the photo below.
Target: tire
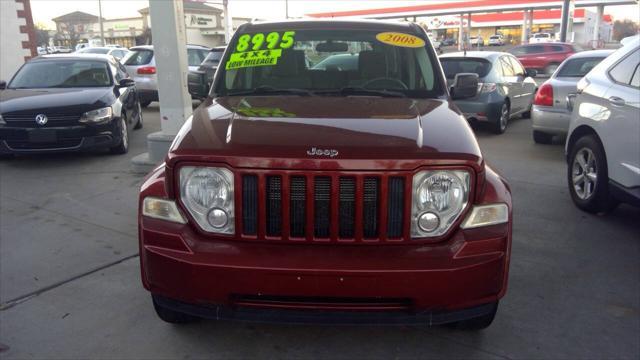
(587, 176)
(139, 123)
(551, 68)
(500, 122)
(540, 137)
(123, 146)
(171, 316)
(476, 323)
(145, 103)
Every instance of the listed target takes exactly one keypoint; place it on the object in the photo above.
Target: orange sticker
(400, 39)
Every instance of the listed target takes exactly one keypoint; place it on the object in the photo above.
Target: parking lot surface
(70, 283)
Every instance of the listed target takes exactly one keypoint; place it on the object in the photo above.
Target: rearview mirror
(126, 82)
(3, 84)
(465, 85)
(331, 46)
(532, 72)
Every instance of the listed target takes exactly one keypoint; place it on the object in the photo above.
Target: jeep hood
(366, 132)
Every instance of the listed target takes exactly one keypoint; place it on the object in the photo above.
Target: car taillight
(544, 96)
(484, 88)
(147, 70)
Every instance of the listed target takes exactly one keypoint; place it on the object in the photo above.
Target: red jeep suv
(333, 194)
(543, 57)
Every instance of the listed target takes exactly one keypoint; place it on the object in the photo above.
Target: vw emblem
(41, 119)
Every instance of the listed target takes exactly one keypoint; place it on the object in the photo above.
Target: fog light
(428, 221)
(217, 218)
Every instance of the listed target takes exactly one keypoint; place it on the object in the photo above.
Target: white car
(541, 38)
(496, 40)
(476, 41)
(603, 143)
(117, 52)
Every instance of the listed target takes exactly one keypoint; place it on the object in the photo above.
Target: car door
(127, 95)
(527, 87)
(620, 134)
(512, 84)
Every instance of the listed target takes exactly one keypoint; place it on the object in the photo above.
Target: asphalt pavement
(70, 283)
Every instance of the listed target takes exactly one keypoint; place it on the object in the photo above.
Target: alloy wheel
(584, 173)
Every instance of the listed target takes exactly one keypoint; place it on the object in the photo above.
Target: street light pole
(101, 28)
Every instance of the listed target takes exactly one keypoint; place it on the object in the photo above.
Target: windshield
(578, 67)
(61, 74)
(326, 62)
(94, 51)
(138, 57)
(453, 66)
(196, 56)
(214, 56)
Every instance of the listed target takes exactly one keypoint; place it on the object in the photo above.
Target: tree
(42, 35)
(624, 28)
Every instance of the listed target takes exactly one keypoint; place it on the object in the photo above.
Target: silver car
(603, 146)
(141, 66)
(551, 111)
(117, 52)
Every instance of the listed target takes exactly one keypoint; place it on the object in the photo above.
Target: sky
(44, 10)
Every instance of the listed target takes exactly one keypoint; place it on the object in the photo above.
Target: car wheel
(145, 103)
(123, 146)
(139, 122)
(476, 323)
(540, 137)
(588, 177)
(551, 68)
(172, 316)
(500, 124)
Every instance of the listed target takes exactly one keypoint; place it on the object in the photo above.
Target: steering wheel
(382, 80)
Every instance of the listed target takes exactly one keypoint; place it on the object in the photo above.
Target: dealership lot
(70, 283)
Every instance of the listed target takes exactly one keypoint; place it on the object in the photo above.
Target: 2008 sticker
(400, 39)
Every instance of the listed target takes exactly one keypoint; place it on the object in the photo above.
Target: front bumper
(550, 120)
(21, 140)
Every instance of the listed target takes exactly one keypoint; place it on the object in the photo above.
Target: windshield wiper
(347, 91)
(268, 90)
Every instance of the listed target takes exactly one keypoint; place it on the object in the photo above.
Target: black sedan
(68, 103)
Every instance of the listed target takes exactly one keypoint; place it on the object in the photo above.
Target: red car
(335, 195)
(543, 57)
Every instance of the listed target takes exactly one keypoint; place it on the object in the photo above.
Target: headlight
(207, 193)
(97, 116)
(439, 197)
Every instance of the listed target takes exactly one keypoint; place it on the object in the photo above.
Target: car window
(453, 66)
(578, 67)
(635, 80)
(139, 57)
(195, 57)
(213, 57)
(339, 62)
(517, 67)
(61, 74)
(518, 51)
(507, 68)
(385, 62)
(534, 49)
(557, 48)
(624, 70)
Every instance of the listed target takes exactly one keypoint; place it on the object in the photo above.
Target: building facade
(204, 26)
(17, 36)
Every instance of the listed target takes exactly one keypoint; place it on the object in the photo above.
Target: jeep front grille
(323, 206)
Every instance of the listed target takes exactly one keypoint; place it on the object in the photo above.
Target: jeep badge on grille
(322, 152)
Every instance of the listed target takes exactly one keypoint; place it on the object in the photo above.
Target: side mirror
(3, 84)
(532, 72)
(465, 85)
(126, 82)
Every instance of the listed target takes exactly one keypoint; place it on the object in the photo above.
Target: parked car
(496, 40)
(603, 145)
(141, 65)
(307, 195)
(505, 89)
(551, 109)
(449, 41)
(60, 50)
(42, 50)
(67, 103)
(476, 41)
(434, 41)
(545, 58)
(541, 38)
(117, 52)
(200, 80)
